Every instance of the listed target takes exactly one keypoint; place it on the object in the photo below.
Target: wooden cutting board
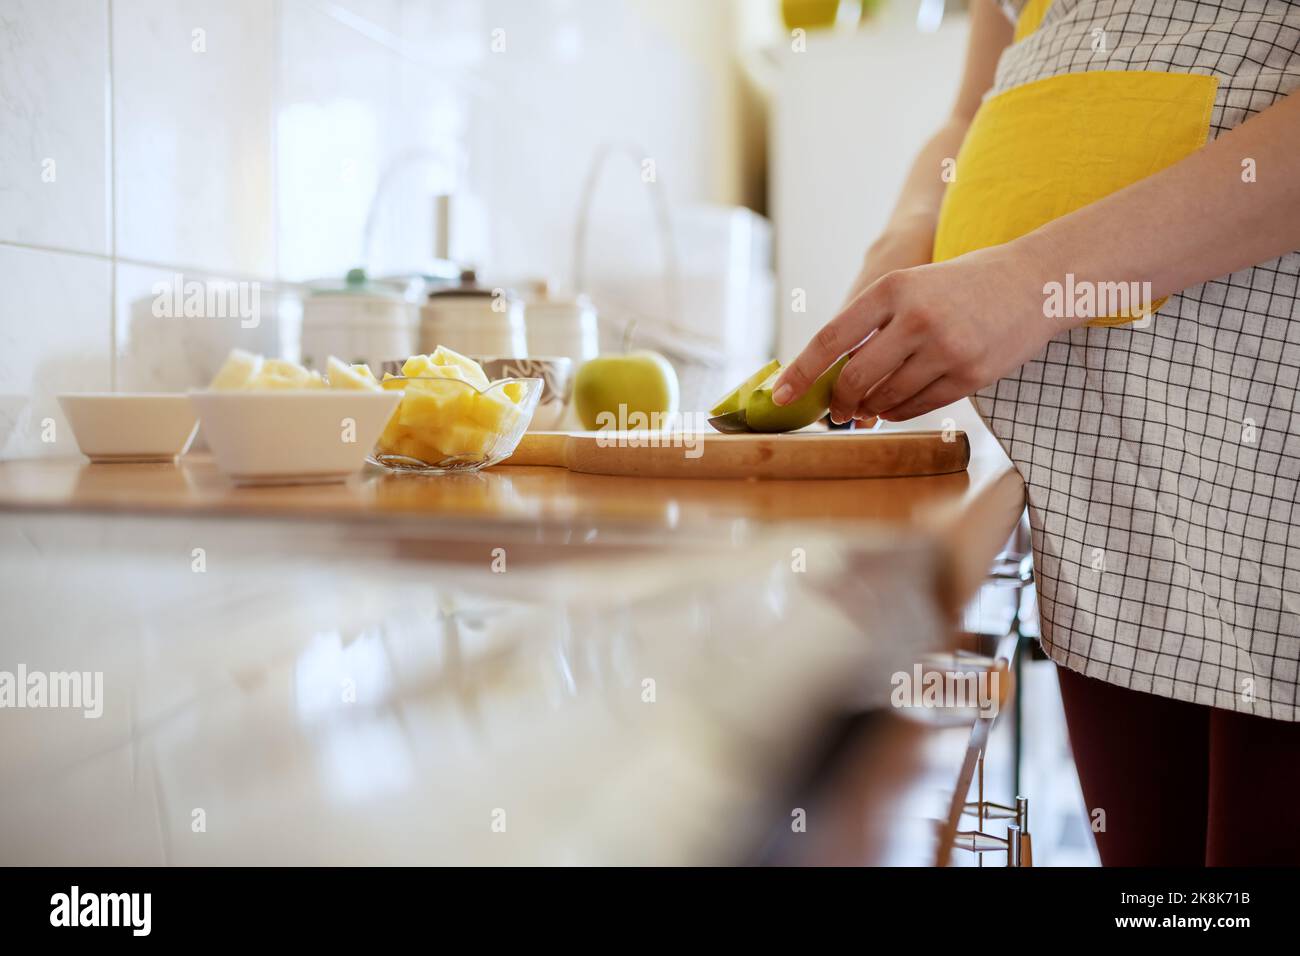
(825, 454)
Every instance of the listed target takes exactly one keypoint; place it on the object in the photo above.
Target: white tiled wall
(193, 102)
(54, 93)
(142, 140)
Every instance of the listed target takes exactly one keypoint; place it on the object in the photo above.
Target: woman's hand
(930, 335)
(906, 243)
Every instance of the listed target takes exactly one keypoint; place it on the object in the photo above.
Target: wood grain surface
(801, 455)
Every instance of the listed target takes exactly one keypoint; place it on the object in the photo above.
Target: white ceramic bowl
(292, 437)
(122, 427)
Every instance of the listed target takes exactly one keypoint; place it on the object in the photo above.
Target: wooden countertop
(971, 513)
(233, 676)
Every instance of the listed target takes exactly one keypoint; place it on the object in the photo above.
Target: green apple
(764, 415)
(634, 390)
(735, 400)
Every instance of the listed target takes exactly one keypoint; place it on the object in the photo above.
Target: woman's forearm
(1231, 205)
(922, 193)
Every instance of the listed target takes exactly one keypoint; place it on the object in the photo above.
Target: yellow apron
(1046, 148)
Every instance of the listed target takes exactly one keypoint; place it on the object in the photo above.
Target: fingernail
(782, 394)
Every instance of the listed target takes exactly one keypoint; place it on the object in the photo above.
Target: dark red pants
(1182, 784)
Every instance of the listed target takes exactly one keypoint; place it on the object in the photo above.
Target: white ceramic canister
(473, 319)
(356, 321)
(164, 350)
(562, 326)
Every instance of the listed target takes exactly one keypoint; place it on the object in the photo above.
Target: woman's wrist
(1043, 261)
(910, 226)
(904, 243)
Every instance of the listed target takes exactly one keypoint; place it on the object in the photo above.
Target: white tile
(431, 159)
(53, 111)
(193, 98)
(371, 91)
(54, 337)
(570, 79)
(338, 127)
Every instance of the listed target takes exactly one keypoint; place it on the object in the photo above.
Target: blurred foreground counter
(523, 666)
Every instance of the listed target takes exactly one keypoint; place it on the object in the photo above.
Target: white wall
(656, 75)
(243, 139)
(849, 113)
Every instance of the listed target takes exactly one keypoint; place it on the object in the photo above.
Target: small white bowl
(292, 437)
(122, 427)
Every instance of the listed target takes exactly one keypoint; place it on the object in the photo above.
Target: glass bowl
(445, 425)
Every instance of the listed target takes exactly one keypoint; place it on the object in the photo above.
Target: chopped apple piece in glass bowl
(448, 424)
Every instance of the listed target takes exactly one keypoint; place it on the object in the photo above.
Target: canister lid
(468, 287)
(357, 284)
(544, 295)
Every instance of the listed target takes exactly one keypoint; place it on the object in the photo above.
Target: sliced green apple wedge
(764, 415)
(749, 408)
(735, 400)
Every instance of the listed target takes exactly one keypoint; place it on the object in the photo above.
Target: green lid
(356, 282)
